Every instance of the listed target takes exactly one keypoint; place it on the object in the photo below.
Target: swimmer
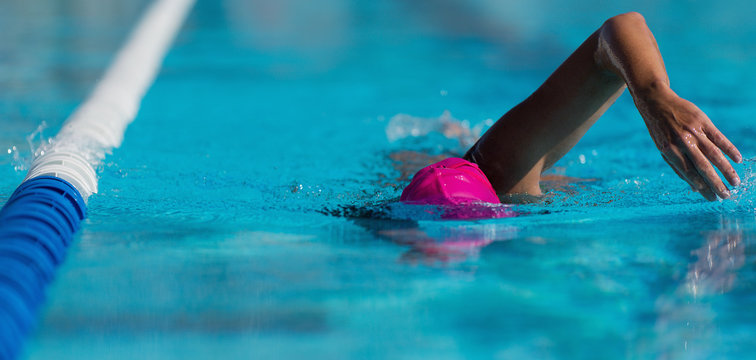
(507, 163)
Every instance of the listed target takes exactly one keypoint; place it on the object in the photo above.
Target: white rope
(97, 126)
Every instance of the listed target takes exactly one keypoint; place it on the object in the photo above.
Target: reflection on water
(718, 260)
(438, 242)
(687, 317)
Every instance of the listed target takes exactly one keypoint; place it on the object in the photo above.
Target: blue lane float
(36, 226)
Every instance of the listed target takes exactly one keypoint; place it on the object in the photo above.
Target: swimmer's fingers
(714, 155)
(704, 168)
(687, 171)
(681, 175)
(723, 143)
(708, 194)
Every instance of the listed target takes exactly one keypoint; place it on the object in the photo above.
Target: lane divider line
(39, 220)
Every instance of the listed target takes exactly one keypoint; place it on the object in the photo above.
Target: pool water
(237, 218)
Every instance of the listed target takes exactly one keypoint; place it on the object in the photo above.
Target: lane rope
(39, 220)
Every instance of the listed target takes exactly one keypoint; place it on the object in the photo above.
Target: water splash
(742, 197)
(37, 141)
(403, 126)
(16, 160)
(37, 144)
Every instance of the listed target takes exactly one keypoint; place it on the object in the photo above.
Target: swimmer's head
(452, 181)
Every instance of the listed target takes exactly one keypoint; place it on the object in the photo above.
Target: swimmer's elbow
(611, 32)
(630, 19)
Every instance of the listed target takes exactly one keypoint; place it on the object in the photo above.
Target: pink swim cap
(450, 182)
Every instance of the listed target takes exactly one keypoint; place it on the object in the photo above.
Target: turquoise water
(214, 231)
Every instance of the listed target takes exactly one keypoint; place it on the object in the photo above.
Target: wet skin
(621, 54)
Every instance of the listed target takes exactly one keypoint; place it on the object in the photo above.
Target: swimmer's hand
(688, 141)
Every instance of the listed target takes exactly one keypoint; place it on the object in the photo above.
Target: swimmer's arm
(686, 137)
(533, 135)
